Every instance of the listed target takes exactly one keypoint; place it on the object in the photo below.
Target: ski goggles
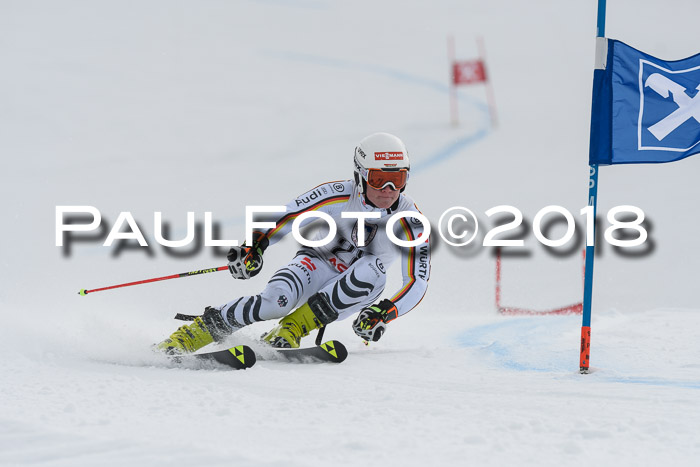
(378, 178)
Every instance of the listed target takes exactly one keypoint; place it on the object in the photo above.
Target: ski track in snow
(506, 389)
(508, 343)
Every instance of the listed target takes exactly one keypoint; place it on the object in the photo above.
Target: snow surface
(179, 106)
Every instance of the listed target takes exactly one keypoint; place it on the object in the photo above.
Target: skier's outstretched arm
(246, 261)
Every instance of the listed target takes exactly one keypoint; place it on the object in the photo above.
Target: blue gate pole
(585, 357)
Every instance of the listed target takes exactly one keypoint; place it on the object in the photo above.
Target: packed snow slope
(212, 106)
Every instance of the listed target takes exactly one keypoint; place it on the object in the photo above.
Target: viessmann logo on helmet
(388, 156)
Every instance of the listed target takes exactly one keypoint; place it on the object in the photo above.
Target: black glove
(370, 324)
(245, 262)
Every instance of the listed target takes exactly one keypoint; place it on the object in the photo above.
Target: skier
(326, 283)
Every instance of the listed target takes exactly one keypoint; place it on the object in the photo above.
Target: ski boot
(204, 330)
(312, 315)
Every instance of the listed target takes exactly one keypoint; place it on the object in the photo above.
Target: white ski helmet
(381, 160)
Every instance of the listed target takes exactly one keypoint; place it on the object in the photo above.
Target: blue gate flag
(645, 110)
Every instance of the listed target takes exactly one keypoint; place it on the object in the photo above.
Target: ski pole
(164, 278)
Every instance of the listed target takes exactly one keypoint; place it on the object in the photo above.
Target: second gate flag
(468, 72)
(645, 110)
